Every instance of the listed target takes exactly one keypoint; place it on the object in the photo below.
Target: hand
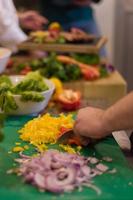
(32, 20)
(90, 123)
(82, 2)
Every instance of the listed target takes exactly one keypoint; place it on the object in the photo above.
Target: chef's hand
(90, 123)
(32, 20)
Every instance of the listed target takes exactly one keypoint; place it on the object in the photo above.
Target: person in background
(71, 13)
(10, 32)
(32, 20)
(97, 123)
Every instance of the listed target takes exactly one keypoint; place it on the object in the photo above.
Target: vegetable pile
(59, 172)
(29, 89)
(45, 130)
(67, 68)
(55, 34)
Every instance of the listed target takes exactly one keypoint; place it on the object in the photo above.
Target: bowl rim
(7, 51)
(43, 92)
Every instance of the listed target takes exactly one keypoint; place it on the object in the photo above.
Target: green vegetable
(4, 87)
(103, 72)
(29, 89)
(32, 82)
(39, 40)
(2, 120)
(73, 72)
(7, 102)
(21, 66)
(90, 59)
(61, 40)
(5, 79)
(35, 64)
(31, 96)
(52, 67)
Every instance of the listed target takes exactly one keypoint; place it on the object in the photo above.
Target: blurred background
(115, 20)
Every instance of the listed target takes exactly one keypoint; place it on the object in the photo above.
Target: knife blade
(69, 137)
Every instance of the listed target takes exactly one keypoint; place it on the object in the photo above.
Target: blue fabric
(65, 11)
(69, 15)
(89, 26)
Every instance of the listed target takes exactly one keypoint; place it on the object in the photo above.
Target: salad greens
(90, 59)
(50, 66)
(33, 81)
(53, 67)
(2, 120)
(29, 89)
(31, 96)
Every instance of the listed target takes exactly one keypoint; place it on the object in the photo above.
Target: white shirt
(10, 32)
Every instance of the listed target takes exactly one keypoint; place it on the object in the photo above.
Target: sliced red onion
(51, 186)
(59, 172)
(62, 157)
(46, 160)
(29, 177)
(39, 180)
(102, 167)
(24, 156)
(20, 160)
(69, 177)
(86, 170)
(113, 171)
(107, 159)
(94, 160)
(56, 165)
(89, 185)
(54, 183)
(80, 180)
(93, 173)
(69, 188)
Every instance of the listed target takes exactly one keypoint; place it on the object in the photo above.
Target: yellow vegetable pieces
(18, 149)
(45, 130)
(58, 87)
(70, 149)
(67, 148)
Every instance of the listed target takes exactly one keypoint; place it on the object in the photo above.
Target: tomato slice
(26, 70)
(75, 141)
(70, 100)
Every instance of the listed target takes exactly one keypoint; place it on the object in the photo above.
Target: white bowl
(29, 107)
(4, 57)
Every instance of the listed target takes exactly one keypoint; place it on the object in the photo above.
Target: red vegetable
(88, 72)
(70, 100)
(26, 70)
(10, 63)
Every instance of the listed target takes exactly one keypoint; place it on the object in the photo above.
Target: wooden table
(102, 92)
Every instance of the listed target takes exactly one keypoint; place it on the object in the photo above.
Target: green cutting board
(113, 186)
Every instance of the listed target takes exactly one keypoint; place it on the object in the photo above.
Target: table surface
(118, 185)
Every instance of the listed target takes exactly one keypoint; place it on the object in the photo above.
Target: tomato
(10, 63)
(63, 129)
(74, 140)
(26, 70)
(90, 74)
(70, 100)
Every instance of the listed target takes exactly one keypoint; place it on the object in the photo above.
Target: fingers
(32, 20)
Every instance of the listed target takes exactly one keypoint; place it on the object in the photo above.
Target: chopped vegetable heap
(45, 130)
(59, 172)
(29, 88)
(68, 67)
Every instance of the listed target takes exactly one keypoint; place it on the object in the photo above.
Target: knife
(68, 137)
